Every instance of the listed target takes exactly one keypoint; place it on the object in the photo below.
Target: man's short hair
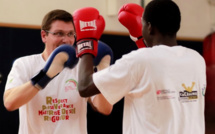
(54, 15)
(164, 15)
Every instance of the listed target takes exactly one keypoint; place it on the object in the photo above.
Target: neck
(45, 54)
(166, 40)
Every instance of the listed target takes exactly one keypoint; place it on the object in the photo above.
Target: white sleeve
(117, 80)
(17, 76)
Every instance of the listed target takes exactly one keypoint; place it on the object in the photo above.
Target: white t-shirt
(58, 108)
(163, 87)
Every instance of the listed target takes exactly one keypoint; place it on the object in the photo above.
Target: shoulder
(143, 53)
(29, 58)
(198, 56)
(138, 52)
(192, 52)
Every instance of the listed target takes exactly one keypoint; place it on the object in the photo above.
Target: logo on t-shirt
(70, 84)
(188, 95)
(56, 109)
(203, 89)
(164, 94)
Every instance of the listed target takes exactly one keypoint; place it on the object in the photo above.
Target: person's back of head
(54, 15)
(164, 15)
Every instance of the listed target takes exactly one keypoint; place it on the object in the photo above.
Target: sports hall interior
(20, 36)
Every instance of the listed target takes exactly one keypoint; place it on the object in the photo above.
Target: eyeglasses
(62, 34)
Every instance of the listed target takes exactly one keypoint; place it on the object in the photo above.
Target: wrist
(86, 46)
(139, 41)
(40, 80)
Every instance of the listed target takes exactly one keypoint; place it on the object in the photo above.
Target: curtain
(209, 56)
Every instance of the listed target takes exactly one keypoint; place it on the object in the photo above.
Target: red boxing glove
(89, 28)
(130, 16)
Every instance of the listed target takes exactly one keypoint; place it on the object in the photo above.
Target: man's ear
(43, 35)
(151, 29)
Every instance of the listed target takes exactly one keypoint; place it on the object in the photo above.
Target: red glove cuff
(140, 43)
(84, 46)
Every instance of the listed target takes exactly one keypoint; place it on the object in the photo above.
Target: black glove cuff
(40, 80)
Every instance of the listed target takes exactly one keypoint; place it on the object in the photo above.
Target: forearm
(18, 96)
(86, 86)
(86, 70)
(102, 105)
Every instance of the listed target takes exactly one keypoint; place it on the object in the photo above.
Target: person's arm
(18, 96)
(86, 85)
(87, 46)
(102, 60)
(102, 105)
(91, 51)
(63, 56)
(99, 103)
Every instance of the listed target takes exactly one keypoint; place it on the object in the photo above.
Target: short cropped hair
(164, 15)
(53, 15)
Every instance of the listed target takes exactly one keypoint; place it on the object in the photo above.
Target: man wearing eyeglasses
(58, 107)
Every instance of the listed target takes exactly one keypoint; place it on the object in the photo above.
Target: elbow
(9, 106)
(87, 90)
(107, 111)
(104, 108)
(8, 103)
(83, 92)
